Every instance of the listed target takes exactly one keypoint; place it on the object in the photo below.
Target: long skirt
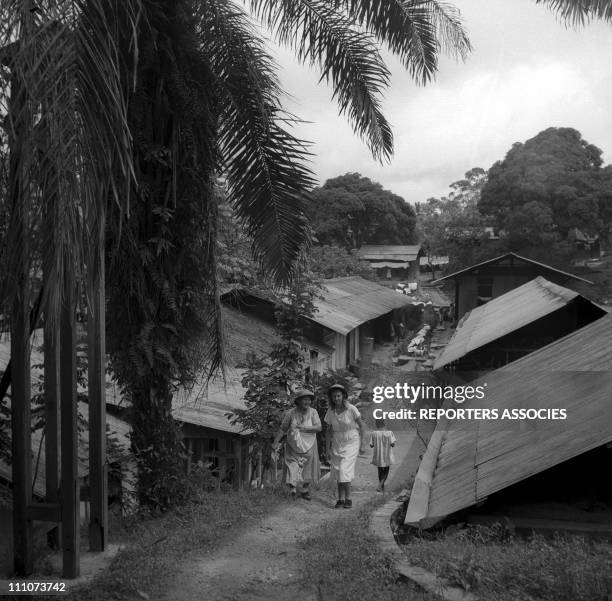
(344, 453)
(302, 467)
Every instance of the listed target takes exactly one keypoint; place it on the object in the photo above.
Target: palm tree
(121, 112)
(579, 12)
(207, 99)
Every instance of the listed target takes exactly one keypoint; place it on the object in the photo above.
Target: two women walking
(345, 438)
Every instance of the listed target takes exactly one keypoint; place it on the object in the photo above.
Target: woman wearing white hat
(301, 425)
(344, 434)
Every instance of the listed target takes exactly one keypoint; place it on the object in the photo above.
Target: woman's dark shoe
(348, 504)
(339, 503)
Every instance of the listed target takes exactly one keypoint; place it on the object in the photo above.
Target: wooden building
(514, 325)
(478, 284)
(392, 261)
(352, 314)
(484, 462)
(211, 440)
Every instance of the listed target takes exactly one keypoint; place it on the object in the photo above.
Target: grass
(155, 546)
(343, 561)
(493, 564)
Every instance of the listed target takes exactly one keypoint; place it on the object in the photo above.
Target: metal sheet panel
(503, 315)
(348, 302)
(575, 373)
(512, 256)
(375, 252)
(206, 405)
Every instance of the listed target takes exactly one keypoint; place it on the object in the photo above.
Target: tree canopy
(547, 186)
(352, 210)
(453, 225)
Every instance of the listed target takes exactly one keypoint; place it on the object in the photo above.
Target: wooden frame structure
(60, 353)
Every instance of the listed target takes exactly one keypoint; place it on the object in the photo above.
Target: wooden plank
(19, 124)
(52, 416)
(21, 435)
(69, 431)
(96, 353)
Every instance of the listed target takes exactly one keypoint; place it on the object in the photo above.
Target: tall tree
(546, 187)
(453, 225)
(351, 210)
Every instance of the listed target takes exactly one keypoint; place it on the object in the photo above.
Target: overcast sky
(527, 72)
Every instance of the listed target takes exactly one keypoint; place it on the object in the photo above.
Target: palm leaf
(579, 12)
(348, 58)
(415, 30)
(68, 134)
(263, 161)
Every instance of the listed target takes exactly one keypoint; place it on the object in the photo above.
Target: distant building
(392, 261)
(514, 325)
(478, 284)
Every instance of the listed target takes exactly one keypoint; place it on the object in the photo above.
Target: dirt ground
(262, 562)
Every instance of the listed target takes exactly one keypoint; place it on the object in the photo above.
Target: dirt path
(262, 562)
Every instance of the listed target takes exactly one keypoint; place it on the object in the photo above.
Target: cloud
(527, 73)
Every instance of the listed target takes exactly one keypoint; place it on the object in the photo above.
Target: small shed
(469, 462)
(478, 284)
(515, 324)
(392, 261)
(208, 434)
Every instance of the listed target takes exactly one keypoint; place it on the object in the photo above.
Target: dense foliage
(351, 210)
(328, 261)
(546, 187)
(269, 380)
(453, 226)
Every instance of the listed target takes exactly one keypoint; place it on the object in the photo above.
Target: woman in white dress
(345, 432)
(301, 425)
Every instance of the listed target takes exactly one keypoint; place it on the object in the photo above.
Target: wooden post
(52, 415)
(18, 129)
(238, 473)
(96, 355)
(189, 453)
(21, 428)
(69, 430)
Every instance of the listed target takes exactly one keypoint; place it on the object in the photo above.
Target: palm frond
(415, 30)
(579, 12)
(348, 58)
(69, 142)
(263, 161)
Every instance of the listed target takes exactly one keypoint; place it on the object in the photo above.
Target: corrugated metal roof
(465, 463)
(504, 314)
(390, 264)
(514, 256)
(206, 405)
(375, 252)
(437, 260)
(349, 302)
